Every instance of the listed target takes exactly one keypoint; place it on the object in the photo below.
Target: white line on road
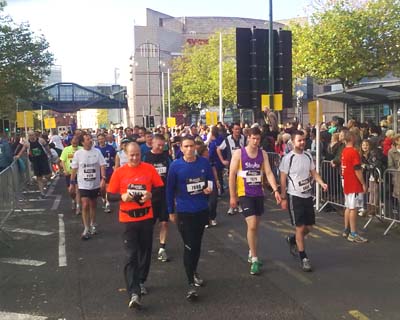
(22, 262)
(53, 185)
(29, 231)
(62, 254)
(29, 210)
(56, 203)
(19, 316)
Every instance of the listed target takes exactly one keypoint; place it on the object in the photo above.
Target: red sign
(195, 42)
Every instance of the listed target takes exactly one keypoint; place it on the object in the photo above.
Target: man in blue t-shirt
(189, 183)
(108, 153)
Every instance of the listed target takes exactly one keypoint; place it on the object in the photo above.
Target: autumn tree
(348, 40)
(195, 77)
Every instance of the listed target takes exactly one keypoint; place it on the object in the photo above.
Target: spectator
(388, 141)
(6, 156)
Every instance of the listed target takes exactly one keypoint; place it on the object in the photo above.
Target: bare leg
(252, 234)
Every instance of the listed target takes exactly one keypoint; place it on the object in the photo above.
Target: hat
(193, 125)
(255, 125)
(126, 140)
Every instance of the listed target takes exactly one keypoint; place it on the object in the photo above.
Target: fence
(13, 180)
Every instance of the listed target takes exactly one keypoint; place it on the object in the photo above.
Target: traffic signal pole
(271, 59)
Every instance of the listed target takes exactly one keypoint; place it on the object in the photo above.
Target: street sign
(278, 102)
(21, 119)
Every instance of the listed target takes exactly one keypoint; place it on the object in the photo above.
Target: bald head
(133, 153)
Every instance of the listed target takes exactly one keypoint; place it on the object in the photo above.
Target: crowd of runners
(178, 175)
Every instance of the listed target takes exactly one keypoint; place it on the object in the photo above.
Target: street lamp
(299, 105)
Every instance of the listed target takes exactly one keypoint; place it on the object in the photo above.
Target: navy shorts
(301, 211)
(91, 194)
(160, 211)
(252, 206)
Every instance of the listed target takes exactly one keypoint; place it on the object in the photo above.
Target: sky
(91, 38)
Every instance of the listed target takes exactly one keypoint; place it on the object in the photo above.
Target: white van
(63, 129)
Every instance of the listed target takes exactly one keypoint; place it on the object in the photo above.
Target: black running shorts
(301, 211)
(252, 206)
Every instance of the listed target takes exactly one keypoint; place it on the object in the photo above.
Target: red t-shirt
(351, 159)
(140, 178)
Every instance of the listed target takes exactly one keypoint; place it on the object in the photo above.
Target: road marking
(285, 230)
(22, 262)
(358, 315)
(19, 316)
(237, 235)
(56, 203)
(292, 272)
(326, 231)
(28, 231)
(53, 185)
(278, 224)
(62, 254)
(29, 210)
(274, 210)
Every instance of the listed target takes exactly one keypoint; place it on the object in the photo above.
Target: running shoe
(107, 208)
(78, 210)
(292, 245)
(73, 205)
(85, 236)
(230, 212)
(198, 282)
(192, 294)
(135, 302)
(162, 255)
(93, 230)
(143, 290)
(213, 223)
(357, 238)
(255, 268)
(306, 265)
(345, 233)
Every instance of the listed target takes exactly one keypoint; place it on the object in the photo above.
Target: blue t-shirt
(108, 153)
(144, 148)
(185, 184)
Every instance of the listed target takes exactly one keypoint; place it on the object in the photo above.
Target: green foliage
(195, 77)
(348, 40)
(24, 62)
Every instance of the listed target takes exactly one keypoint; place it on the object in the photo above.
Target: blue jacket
(185, 184)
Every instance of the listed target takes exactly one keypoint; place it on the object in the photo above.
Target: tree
(24, 61)
(195, 77)
(348, 40)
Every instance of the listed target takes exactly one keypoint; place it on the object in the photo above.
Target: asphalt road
(37, 281)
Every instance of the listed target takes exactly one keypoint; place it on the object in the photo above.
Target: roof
(375, 93)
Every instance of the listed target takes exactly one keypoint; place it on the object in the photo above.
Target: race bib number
(36, 152)
(195, 186)
(305, 185)
(89, 174)
(253, 177)
(136, 190)
(161, 170)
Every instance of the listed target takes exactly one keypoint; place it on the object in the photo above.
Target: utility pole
(271, 58)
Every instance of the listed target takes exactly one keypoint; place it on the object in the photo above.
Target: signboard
(21, 119)
(278, 102)
(171, 122)
(50, 123)
(312, 111)
(211, 118)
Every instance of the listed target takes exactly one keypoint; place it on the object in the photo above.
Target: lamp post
(169, 93)
(299, 106)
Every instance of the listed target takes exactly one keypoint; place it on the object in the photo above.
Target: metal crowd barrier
(332, 177)
(13, 180)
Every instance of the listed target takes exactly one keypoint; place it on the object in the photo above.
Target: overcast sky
(90, 38)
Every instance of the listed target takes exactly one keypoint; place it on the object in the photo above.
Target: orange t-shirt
(136, 179)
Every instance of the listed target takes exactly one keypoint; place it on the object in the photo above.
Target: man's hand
(173, 217)
(365, 188)
(126, 197)
(233, 202)
(324, 187)
(146, 196)
(207, 190)
(278, 197)
(284, 205)
(225, 163)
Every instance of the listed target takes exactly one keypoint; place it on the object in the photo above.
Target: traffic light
(151, 121)
(6, 125)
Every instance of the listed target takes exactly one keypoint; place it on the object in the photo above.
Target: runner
(131, 185)
(187, 187)
(66, 159)
(248, 166)
(89, 164)
(109, 154)
(297, 172)
(160, 160)
(121, 158)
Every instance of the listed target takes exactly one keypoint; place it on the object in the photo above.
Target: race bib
(195, 186)
(136, 190)
(161, 170)
(253, 177)
(305, 185)
(89, 174)
(36, 152)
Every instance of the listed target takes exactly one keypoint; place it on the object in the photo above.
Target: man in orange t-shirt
(131, 184)
(353, 186)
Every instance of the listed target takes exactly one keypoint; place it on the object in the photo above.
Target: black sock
(302, 255)
(162, 245)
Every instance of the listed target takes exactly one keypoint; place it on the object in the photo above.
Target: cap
(126, 140)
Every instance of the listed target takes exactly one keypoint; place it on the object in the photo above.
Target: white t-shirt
(88, 163)
(123, 158)
(56, 139)
(298, 167)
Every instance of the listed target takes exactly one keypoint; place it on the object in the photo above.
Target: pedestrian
(188, 188)
(89, 170)
(248, 166)
(158, 158)
(353, 186)
(297, 172)
(131, 185)
(122, 158)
